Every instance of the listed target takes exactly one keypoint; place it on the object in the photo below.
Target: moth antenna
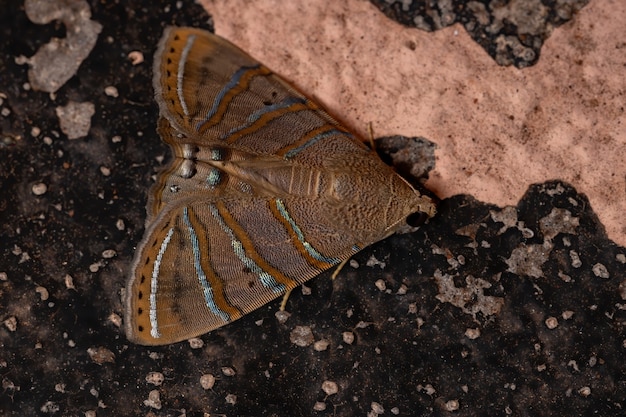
(370, 131)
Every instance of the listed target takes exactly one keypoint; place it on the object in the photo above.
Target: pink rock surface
(498, 129)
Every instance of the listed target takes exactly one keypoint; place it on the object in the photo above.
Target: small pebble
(196, 343)
(69, 282)
(452, 405)
(155, 378)
(115, 319)
(154, 400)
(10, 323)
(282, 316)
(377, 408)
(319, 406)
(402, 290)
(39, 188)
(111, 91)
(50, 407)
(552, 322)
(330, 387)
(321, 345)
(101, 355)
(472, 334)
(43, 293)
(600, 271)
(228, 371)
(136, 57)
(348, 337)
(301, 336)
(207, 381)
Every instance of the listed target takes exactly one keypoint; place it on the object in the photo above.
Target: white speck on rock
(154, 400)
(330, 387)
(207, 381)
(228, 371)
(372, 262)
(39, 188)
(155, 378)
(552, 323)
(10, 323)
(472, 334)
(111, 91)
(452, 405)
(319, 406)
(377, 408)
(576, 262)
(321, 345)
(282, 316)
(471, 298)
(75, 118)
(58, 60)
(348, 337)
(196, 343)
(600, 271)
(301, 336)
(136, 57)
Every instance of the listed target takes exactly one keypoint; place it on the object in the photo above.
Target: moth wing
(206, 263)
(220, 244)
(213, 93)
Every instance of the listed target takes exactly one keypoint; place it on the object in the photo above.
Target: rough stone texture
(497, 129)
(485, 310)
(75, 119)
(57, 61)
(512, 32)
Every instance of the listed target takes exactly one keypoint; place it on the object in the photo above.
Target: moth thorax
(188, 151)
(187, 168)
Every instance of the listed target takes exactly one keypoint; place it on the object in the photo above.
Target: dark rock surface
(483, 311)
(512, 32)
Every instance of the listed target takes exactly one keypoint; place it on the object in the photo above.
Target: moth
(265, 190)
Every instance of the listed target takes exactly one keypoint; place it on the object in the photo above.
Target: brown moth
(265, 191)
